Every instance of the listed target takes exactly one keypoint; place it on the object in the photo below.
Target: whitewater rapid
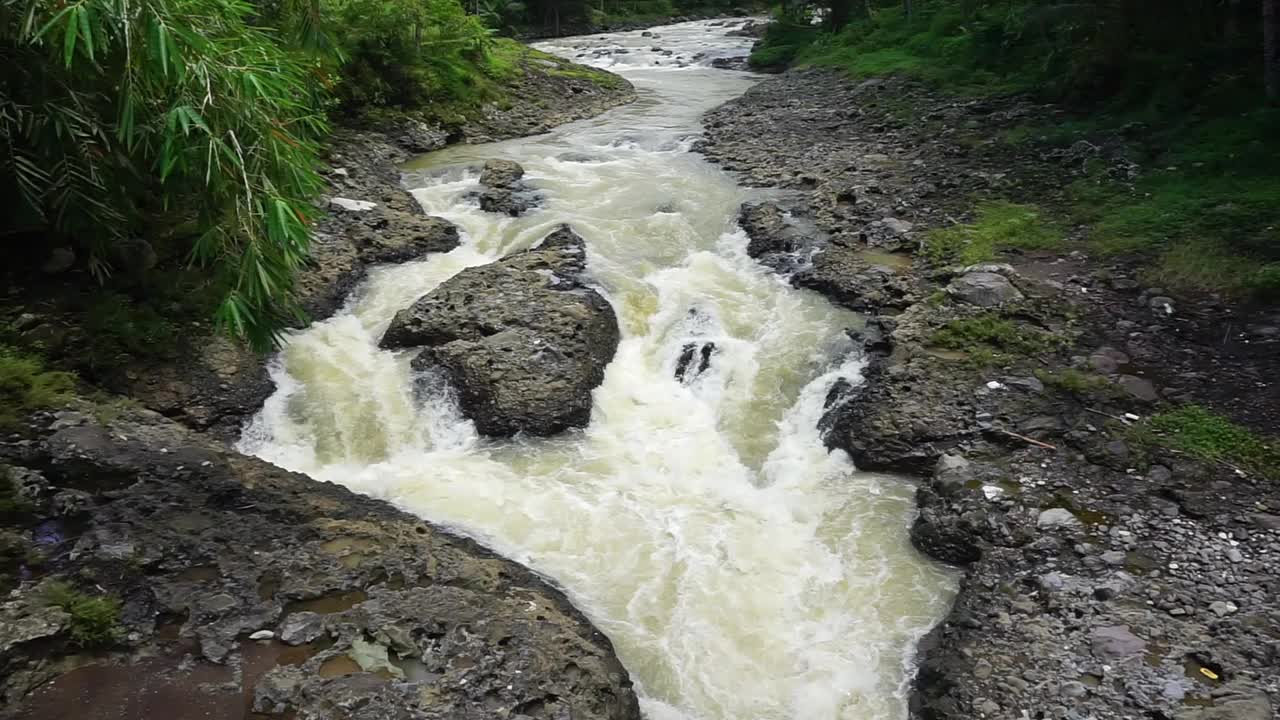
(740, 569)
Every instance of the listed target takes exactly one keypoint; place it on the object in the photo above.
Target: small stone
(1222, 608)
(1113, 557)
(1073, 689)
(1057, 518)
(1113, 642)
(26, 321)
(983, 289)
(1235, 555)
(301, 627)
(1161, 304)
(1028, 384)
(1138, 388)
(1051, 582)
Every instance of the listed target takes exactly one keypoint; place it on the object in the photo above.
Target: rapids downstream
(740, 569)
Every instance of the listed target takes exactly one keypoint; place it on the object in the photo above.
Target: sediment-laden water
(741, 570)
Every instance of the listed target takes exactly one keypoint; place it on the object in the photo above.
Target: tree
(1271, 48)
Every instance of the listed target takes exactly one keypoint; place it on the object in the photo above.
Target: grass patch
(12, 505)
(1204, 434)
(95, 619)
(1080, 384)
(989, 338)
(26, 385)
(997, 226)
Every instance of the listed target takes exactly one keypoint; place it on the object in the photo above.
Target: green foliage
(408, 54)
(1204, 434)
(989, 337)
(12, 504)
(1208, 210)
(998, 226)
(26, 386)
(1080, 384)
(784, 39)
(111, 110)
(1090, 49)
(95, 620)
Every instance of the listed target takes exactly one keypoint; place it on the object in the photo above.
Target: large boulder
(503, 190)
(524, 339)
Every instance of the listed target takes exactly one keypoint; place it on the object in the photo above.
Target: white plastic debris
(993, 385)
(991, 492)
(262, 635)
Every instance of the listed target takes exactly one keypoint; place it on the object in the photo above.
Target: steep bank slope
(1115, 566)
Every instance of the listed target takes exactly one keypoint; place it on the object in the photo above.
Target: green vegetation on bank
(988, 338)
(1203, 434)
(95, 619)
(997, 226)
(147, 143)
(1184, 89)
(26, 385)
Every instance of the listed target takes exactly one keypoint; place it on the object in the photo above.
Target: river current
(740, 569)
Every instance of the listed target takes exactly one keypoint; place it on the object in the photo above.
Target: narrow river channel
(740, 569)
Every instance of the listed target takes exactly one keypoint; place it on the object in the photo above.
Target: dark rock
(686, 367)
(273, 540)
(843, 275)
(1138, 388)
(767, 229)
(503, 190)
(523, 339)
(501, 173)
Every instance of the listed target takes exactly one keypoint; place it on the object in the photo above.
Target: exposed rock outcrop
(244, 586)
(524, 339)
(502, 189)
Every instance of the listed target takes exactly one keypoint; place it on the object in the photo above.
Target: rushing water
(741, 570)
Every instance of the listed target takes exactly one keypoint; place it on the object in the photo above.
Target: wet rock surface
(244, 587)
(1104, 576)
(524, 340)
(502, 189)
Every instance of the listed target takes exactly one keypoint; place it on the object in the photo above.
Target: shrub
(95, 620)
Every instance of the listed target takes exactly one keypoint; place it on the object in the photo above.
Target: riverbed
(740, 569)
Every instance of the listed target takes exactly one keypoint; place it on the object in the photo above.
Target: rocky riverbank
(371, 219)
(1107, 573)
(152, 571)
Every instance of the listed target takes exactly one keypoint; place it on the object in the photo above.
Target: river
(741, 569)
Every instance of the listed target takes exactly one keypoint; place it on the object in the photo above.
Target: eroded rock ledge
(249, 588)
(525, 339)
